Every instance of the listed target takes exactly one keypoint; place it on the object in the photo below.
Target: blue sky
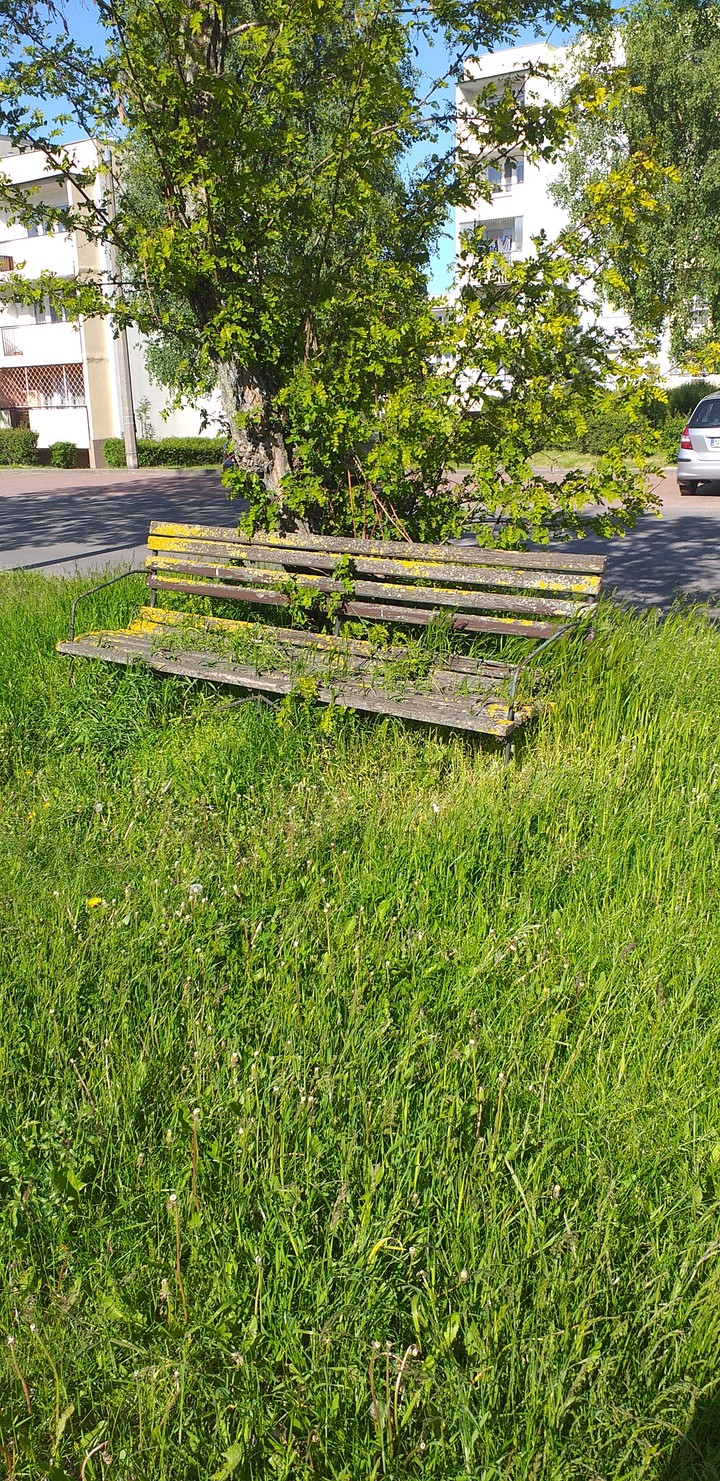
(432, 62)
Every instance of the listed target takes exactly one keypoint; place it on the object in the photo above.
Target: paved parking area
(662, 559)
(62, 521)
(66, 520)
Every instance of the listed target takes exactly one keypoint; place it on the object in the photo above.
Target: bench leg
(508, 749)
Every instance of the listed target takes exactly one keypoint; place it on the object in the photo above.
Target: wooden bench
(538, 596)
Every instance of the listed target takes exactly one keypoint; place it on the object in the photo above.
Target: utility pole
(127, 411)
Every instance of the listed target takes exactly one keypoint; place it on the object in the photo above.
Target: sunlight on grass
(360, 1111)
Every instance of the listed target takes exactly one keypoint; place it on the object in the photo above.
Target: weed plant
(360, 1113)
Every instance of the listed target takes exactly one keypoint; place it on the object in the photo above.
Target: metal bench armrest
(560, 632)
(91, 592)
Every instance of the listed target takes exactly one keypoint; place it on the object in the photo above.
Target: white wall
(526, 203)
(60, 424)
(187, 422)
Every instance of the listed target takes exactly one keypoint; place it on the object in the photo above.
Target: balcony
(41, 344)
(54, 253)
(505, 175)
(503, 235)
(42, 388)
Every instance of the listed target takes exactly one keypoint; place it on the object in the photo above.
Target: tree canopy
(270, 235)
(661, 71)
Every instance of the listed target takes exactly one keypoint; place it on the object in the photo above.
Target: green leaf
(233, 1458)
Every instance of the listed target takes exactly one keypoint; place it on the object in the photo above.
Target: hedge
(167, 452)
(17, 445)
(608, 423)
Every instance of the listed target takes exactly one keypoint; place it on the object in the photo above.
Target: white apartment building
(521, 205)
(63, 379)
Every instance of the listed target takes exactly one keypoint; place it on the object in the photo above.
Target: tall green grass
(369, 1125)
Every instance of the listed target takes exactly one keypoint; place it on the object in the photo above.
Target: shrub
(684, 398)
(63, 454)
(17, 445)
(607, 425)
(671, 432)
(167, 452)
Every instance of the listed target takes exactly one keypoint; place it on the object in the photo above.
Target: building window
(48, 313)
(504, 236)
(6, 264)
(505, 173)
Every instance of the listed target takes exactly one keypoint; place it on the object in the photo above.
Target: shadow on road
(101, 520)
(92, 525)
(663, 559)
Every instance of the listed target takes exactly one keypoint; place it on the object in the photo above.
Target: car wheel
(688, 485)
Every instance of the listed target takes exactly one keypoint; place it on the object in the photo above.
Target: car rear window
(707, 414)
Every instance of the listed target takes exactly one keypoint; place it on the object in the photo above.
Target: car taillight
(685, 440)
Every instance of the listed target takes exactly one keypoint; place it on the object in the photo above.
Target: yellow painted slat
(466, 554)
(517, 578)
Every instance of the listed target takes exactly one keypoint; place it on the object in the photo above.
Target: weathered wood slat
(537, 595)
(517, 576)
(367, 673)
(292, 637)
(374, 611)
(471, 601)
(539, 560)
(491, 718)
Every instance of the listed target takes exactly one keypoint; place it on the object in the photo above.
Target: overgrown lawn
(360, 1107)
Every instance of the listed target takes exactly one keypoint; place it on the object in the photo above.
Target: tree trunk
(258, 441)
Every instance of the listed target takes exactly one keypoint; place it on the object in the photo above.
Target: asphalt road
(62, 521)
(65, 520)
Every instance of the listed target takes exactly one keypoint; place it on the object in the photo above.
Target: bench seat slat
(539, 560)
(373, 611)
(448, 572)
(364, 672)
(151, 618)
(490, 717)
(531, 606)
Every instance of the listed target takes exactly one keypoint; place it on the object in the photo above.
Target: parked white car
(699, 453)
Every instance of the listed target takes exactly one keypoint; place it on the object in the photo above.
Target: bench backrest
(527, 594)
